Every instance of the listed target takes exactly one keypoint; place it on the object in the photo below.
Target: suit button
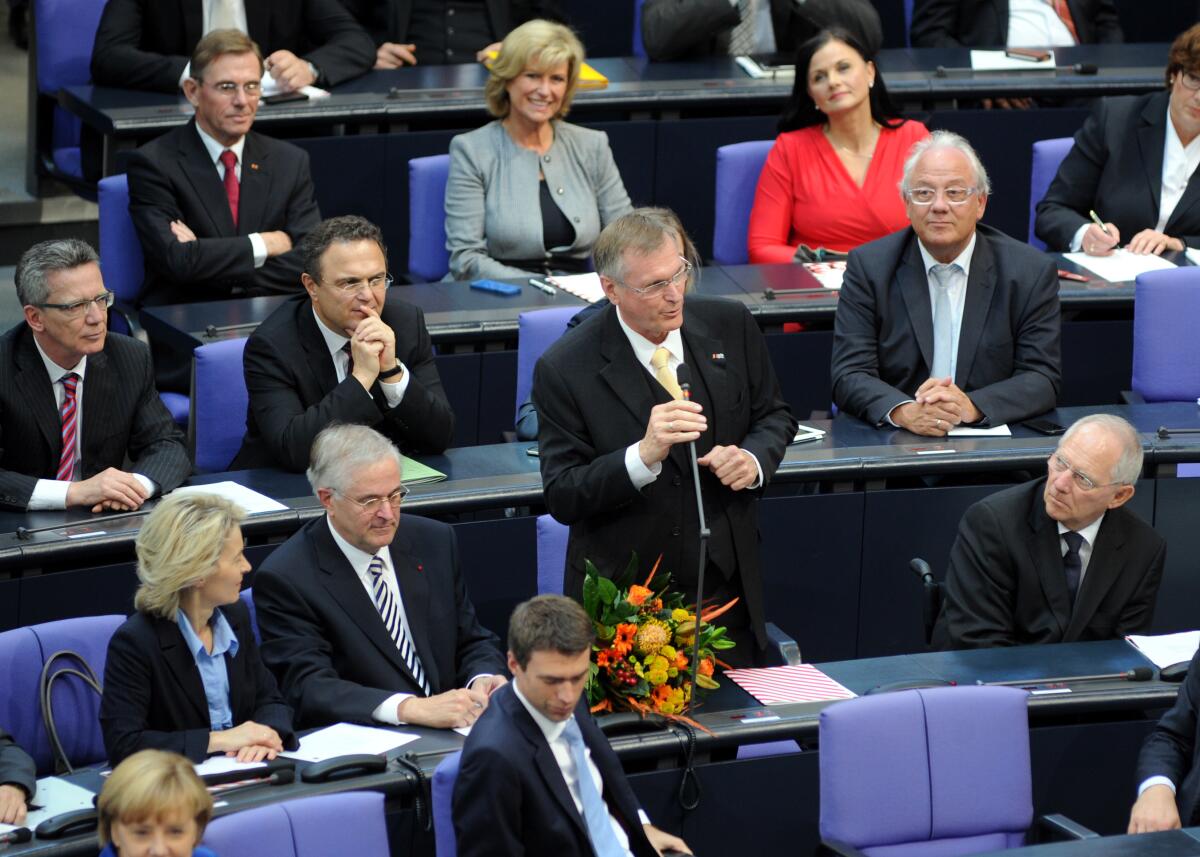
(450, 11)
(559, 191)
(576, 219)
(674, 531)
(676, 481)
(546, 159)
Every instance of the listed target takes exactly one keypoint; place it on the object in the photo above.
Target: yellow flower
(651, 636)
(679, 614)
(656, 677)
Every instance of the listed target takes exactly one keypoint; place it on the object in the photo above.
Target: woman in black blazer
(184, 673)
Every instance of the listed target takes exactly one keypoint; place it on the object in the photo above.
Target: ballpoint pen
(541, 285)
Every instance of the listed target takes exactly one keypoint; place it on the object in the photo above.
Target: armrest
(830, 846)
(782, 650)
(1060, 827)
(1132, 397)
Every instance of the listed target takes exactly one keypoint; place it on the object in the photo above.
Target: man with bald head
(948, 322)
(1059, 559)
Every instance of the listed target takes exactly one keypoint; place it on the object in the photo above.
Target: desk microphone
(1085, 68)
(281, 777)
(1135, 674)
(683, 377)
(16, 835)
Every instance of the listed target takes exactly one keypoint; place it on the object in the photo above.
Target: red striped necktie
(1064, 12)
(68, 412)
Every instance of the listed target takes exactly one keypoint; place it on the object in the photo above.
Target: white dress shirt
(1085, 550)
(215, 149)
(51, 493)
(1035, 24)
(393, 391)
(553, 730)
(643, 349)
(237, 7)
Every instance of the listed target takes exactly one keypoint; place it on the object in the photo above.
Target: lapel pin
(420, 568)
(253, 165)
(718, 355)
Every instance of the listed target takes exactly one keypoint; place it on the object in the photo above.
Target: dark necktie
(232, 189)
(1073, 564)
(67, 413)
(349, 359)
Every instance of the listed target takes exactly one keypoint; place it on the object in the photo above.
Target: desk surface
(1169, 843)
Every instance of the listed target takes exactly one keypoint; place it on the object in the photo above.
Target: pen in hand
(1096, 219)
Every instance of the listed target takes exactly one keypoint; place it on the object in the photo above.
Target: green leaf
(628, 577)
(591, 590)
(722, 644)
(607, 590)
(605, 631)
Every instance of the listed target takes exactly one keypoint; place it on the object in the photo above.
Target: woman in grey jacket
(529, 193)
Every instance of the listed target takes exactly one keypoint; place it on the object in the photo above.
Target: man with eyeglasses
(1059, 559)
(367, 620)
(341, 353)
(217, 206)
(77, 402)
(949, 322)
(614, 429)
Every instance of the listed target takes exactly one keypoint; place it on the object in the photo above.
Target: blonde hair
(179, 545)
(538, 44)
(151, 784)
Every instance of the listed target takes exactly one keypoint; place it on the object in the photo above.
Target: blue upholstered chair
(442, 798)
(218, 421)
(247, 596)
(908, 10)
(536, 330)
(551, 555)
(638, 48)
(738, 167)
(428, 258)
(1047, 155)
(343, 823)
(64, 31)
(1166, 354)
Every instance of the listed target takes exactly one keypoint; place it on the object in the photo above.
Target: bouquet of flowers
(642, 654)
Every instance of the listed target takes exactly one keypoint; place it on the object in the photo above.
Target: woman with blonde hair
(184, 673)
(529, 193)
(153, 805)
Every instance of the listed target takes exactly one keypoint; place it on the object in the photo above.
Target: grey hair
(340, 450)
(945, 140)
(641, 232)
(1129, 466)
(42, 259)
(347, 229)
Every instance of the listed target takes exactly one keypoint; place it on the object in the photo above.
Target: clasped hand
(372, 348)
(683, 421)
(938, 407)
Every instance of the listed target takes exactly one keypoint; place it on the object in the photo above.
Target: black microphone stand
(682, 374)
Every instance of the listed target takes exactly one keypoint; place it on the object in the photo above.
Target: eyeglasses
(371, 505)
(657, 288)
(1189, 81)
(350, 287)
(952, 195)
(228, 88)
(74, 310)
(1061, 465)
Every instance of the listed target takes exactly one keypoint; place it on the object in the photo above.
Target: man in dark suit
(145, 44)
(18, 780)
(1167, 771)
(341, 354)
(408, 32)
(519, 788)
(682, 29)
(77, 402)
(614, 441)
(1013, 23)
(209, 234)
(1058, 559)
(948, 322)
(366, 620)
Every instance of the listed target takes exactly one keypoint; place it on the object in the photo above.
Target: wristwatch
(395, 370)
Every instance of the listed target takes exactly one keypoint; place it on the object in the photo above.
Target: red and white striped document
(799, 683)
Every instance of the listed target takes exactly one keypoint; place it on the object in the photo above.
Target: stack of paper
(828, 274)
(348, 739)
(798, 683)
(586, 286)
(1000, 61)
(251, 502)
(416, 473)
(1167, 649)
(1121, 266)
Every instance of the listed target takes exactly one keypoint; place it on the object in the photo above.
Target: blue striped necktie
(389, 611)
(595, 810)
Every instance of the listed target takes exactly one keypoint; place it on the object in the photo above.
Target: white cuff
(476, 678)
(1156, 781)
(147, 483)
(386, 712)
(642, 817)
(48, 494)
(393, 392)
(639, 474)
(1077, 241)
(888, 418)
(758, 481)
(259, 247)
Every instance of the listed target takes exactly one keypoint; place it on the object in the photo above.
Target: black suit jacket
(123, 418)
(154, 696)
(594, 399)
(145, 44)
(325, 641)
(1005, 584)
(294, 392)
(16, 766)
(173, 178)
(680, 29)
(1008, 344)
(1115, 167)
(388, 20)
(510, 797)
(984, 23)
(1170, 750)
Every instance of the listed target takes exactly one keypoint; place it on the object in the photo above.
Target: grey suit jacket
(1008, 345)
(492, 207)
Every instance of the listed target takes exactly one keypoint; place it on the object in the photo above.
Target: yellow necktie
(659, 361)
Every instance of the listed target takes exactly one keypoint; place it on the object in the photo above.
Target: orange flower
(623, 641)
(656, 605)
(681, 660)
(602, 657)
(638, 595)
(706, 666)
(662, 693)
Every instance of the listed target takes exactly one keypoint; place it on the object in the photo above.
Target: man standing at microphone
(615, 429)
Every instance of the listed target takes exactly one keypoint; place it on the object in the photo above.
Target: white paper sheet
(997, 61)
(1167, 649)
(221, 764)
(1193, 255)
(586, 286)
(1121, 267)
(974, 431)
(807, 433)
(347, 739)
(271, 87)
(828, 274)
(251, 502)
(57, 796)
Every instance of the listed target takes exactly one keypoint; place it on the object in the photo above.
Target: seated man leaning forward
(948, 322)
(367, 620)
(519, 788)
(78, 402)
(1058, 559)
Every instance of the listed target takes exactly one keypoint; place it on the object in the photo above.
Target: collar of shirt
(334, 341)
(55, 371)
(1089, 532)
(1179, 162)
(643, 348)
(552, 729)
(963, 259)
(360, 560)
(1036, 24)
(224, 640)
(215, 149)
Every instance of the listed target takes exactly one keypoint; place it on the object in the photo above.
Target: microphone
(1135, 674)
(15, 836)
(683, 376)
(1084, 68)
(275, 768)
(281, 777)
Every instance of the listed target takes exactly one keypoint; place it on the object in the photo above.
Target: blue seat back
(219, 401)
(551, 555)
(343, 823)
(738, 168)
(428, 258)
(442, 794)
(536, 330)
(121, 258)
(65, 31)
(1047, 155)
(638, 47)
(247, 596)
(1166, 354)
